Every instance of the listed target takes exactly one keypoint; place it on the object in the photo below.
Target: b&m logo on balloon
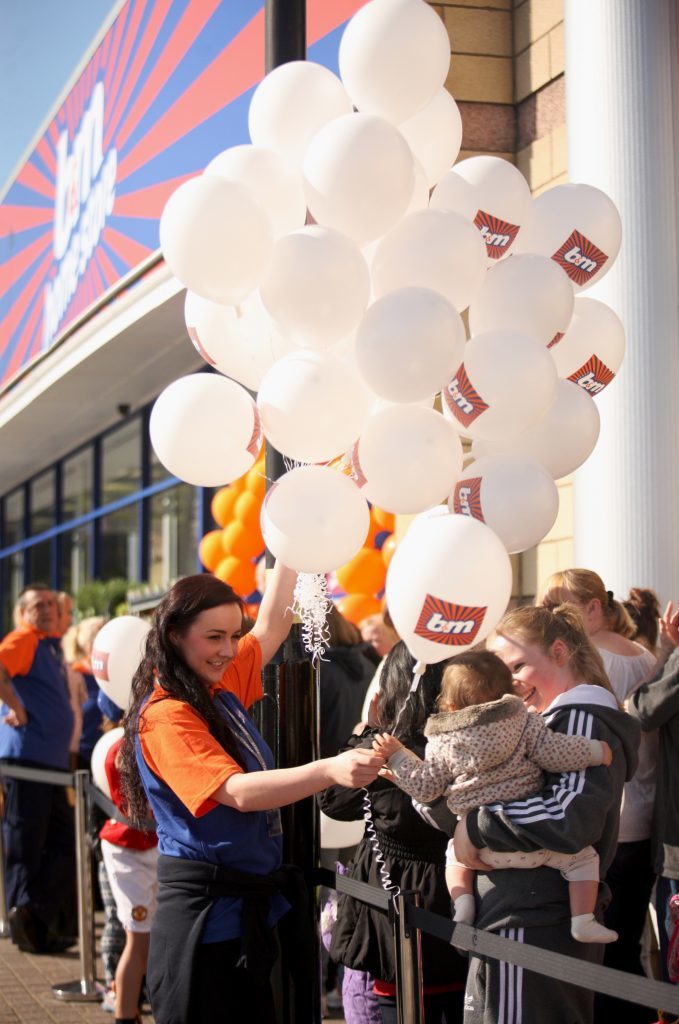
(99, 661)
(466, 498)
(198, 345)
(556, 339)
(255, 442)
(497, 234)
(580, 258)
(446, 623)
(357, 473)
(464, 402)
(593, 376)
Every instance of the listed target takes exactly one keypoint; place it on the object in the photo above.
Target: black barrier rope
(630, 987)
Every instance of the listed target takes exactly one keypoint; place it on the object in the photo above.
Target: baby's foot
(585, 928)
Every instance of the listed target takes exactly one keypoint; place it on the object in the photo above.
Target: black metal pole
(289, 710)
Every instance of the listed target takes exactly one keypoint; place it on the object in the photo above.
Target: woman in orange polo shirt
(192, 750)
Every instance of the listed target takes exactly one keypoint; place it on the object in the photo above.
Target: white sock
(465, 909)
(584, 928)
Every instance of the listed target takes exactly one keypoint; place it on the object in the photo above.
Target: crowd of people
(525, 787)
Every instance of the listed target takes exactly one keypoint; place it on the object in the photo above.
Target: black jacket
(345, 675)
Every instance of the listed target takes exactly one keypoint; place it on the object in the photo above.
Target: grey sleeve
(557, 752)
(423, 780)
(656, 702)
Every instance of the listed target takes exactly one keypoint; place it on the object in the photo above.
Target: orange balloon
(238, 574)
(239, 485)
(387, 550)
(357, 607)
(242, 541)
(247, 509)
(384, 520)
(210, 550)
(256, 482)
(222, 504)
(364, 574)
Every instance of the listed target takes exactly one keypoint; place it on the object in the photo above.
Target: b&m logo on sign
(446, 623)
(593, 376)
(99, 660)
(467, 498)
(497, 234)
(464, 402)
(84, 198)
(580, 258)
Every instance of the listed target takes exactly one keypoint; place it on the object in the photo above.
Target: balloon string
(385, 877)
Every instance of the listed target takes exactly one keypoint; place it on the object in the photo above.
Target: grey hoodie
(571, 811)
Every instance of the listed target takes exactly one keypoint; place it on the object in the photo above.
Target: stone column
(622, 119)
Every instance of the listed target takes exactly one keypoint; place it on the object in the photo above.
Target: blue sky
(41, 43)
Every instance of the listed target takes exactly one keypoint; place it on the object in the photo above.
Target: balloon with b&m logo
(118, 650)
(323, 274)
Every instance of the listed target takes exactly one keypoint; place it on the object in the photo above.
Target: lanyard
(243, 734)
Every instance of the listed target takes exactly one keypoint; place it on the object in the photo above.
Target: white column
(621, 112)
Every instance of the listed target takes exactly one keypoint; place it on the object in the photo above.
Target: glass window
(13, 581)
(14, 518)
(75, 558)
(39, 563)
(173, 540)
(121, 462)
(41, 502)
(119, 542)
(158, 472)
(76, 484)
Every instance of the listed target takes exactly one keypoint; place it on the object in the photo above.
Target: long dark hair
(162, 661)
(396, 704)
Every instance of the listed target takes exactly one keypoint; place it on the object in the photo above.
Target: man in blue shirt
(36, 723)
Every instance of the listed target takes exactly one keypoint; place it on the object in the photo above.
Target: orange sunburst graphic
(198, 345)
(593, 376)
(443, 622)
(255, 442)
(463, 400)
(556, 339)
(357, 473)
(580, 258)
(497, 234)
(467, 498)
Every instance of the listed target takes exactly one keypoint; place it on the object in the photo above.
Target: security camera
(124, 408)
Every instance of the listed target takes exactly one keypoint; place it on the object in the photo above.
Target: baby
(484, 747)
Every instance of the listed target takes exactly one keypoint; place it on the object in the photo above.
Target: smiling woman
(193, 752)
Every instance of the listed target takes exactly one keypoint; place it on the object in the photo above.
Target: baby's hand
(386, 745)
(608, 753)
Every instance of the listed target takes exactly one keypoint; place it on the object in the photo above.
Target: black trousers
(227, 994)
(38, 830)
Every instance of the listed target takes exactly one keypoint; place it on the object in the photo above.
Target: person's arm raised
(261, 791)
(275, 612)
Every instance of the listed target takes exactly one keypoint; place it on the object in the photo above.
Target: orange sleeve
(244, 675)
(17, 651)
(179, 748)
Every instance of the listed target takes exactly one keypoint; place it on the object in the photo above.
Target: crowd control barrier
(408, 920)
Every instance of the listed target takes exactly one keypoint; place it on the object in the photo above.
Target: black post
(288, 712)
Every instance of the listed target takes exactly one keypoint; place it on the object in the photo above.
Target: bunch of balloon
(327, 264)
(363, 578)
(232, 551)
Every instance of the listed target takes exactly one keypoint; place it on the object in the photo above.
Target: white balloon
(506, 382)
(117, 654)
(406, 459)
(269, 180)
(205, 429)
(434, 134)
(515, 496)
(448, 585)
(98, 760)
(455, 194)
(393, 58)
(433, 249)
(312, 405)
(335, 835)
(359, 176)
(317, 286)
(419, 200)
(561, 440)
(314, 519)
(291, 104)
(408, 344)
(502, 198)
(528, 294)
(577, 226)
(592, 349)
(215, 238)
(241, 342)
